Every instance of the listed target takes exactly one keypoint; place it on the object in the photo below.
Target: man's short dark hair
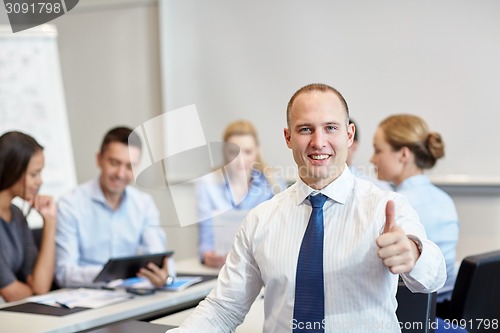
(315, 87)
(123, 135)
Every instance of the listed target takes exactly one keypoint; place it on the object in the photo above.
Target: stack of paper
(85, 298)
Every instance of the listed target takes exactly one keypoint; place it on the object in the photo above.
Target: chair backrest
(37, 235)
(416, 311)
(476, 295)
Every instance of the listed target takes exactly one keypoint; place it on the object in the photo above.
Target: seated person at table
(24, 271)
(106, 218)
(403, 148)
(252, 183)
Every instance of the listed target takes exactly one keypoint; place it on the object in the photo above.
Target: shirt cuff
(429, 273)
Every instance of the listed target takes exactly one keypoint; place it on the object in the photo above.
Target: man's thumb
(389, 216)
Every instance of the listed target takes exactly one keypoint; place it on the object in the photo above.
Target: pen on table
(63, 305)
(107, 288)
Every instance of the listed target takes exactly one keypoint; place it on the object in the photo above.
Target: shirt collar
(414, 181)
(97, 194)
(338, 190)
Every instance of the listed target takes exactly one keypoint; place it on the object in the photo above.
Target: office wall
(111, 70)
(436, 59)
(109, 53)
(110, 57)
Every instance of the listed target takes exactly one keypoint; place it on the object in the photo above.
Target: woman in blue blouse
(244, 183)
(404, 147)
(24, 271)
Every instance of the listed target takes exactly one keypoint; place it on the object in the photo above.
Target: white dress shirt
(359, 290)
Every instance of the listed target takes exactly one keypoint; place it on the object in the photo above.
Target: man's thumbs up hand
(396, 250)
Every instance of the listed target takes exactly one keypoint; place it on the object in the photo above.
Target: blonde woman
(403, 148)
(248, 184)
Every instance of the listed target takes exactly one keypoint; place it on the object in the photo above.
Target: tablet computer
(127, 267)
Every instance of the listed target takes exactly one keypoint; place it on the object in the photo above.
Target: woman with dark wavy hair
(23, 270)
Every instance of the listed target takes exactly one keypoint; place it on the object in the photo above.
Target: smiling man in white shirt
(370, 236)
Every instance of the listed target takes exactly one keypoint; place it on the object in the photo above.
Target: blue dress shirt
(439, 216)
(89, 231)
(213, 197)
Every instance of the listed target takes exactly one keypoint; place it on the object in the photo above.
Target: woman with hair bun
(403, 148)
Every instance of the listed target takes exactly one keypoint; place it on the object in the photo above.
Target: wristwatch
(417, 242)
(170, 280)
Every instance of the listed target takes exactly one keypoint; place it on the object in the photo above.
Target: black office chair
(476, 295)
(37, 235)
(416, 311)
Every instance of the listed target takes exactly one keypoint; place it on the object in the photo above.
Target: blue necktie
(309, 309)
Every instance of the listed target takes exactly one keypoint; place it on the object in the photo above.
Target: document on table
(82, 297)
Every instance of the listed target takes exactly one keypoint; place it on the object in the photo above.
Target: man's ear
(350, 134)
(286, 133)
(98, 158)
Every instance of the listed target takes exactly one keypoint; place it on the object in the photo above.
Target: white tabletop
(141, 305)
(253, 323)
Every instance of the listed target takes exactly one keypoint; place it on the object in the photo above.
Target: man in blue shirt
(105, 217)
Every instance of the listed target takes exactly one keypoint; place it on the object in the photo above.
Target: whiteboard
(32, 100)
(436, 59)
